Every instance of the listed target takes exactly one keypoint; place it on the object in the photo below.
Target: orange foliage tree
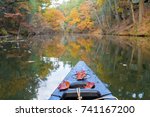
(86, 21)
(79, 20)
(55, 18)
(73, 19)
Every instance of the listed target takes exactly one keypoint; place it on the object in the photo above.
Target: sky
(57, 2)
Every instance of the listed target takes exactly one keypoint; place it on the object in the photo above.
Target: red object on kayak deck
(64, 85)
(89, 85)
(81, 75)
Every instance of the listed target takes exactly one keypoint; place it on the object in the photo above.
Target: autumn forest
(122, 17)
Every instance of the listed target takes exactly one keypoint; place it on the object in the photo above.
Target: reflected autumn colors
(123, 64)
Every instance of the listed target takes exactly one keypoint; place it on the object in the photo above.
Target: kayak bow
(82, 83)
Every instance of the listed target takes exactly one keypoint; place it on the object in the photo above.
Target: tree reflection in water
(121, 62)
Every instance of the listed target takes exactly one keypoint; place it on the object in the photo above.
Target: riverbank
(127, 28)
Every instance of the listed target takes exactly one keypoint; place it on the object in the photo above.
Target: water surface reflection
(121, 62)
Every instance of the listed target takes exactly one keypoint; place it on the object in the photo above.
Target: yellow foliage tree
(79, 20)
(86, 22)
(100, 2)
(74, 17)
(55, 18)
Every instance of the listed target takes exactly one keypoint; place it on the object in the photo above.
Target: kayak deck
(99, 91)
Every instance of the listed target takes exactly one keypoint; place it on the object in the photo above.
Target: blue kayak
(78, 90)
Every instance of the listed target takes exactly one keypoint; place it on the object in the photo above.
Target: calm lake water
(32, 70)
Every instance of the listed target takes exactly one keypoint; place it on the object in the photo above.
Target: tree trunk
(132, 12)
(116, 11)
(141, 11)
(111, 12)
(110, 5)
(96, 14)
